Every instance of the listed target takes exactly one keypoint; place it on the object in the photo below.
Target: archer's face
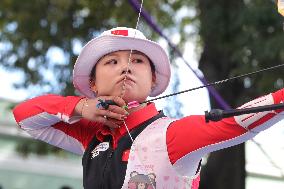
(111, 70)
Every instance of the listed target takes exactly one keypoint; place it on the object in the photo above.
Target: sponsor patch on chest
(99, 148)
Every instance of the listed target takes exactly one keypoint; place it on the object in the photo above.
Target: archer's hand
(111, 117)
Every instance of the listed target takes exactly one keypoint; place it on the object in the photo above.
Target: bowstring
(215, 83)
(196, 88)
(129, 64)
(126, 74)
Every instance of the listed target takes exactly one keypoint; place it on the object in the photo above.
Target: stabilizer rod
(218, 114)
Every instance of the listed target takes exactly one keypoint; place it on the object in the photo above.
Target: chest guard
(149, 166)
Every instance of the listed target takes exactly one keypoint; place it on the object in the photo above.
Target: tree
(33, 30)
(238, 37)
(235, 37)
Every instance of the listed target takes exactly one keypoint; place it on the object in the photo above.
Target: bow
(215, 114)
(212, 91)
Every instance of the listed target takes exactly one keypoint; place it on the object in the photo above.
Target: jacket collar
(132, 121)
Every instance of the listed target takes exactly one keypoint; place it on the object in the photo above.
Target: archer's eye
(112, 61)
(137, 60)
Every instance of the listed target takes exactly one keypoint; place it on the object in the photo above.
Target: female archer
(127, 143)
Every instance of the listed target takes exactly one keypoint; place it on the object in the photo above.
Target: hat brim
(103, 45)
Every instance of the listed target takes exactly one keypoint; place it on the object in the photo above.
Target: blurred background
(207, 41)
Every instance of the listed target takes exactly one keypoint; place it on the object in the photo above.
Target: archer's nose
(126, 68)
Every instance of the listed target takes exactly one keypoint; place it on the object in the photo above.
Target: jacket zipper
(105, 167)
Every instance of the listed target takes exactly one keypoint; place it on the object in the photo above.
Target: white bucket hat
(120, 38)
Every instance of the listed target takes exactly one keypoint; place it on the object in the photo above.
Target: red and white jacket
(49, 118)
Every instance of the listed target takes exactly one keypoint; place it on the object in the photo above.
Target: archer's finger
(105, 121)
(118, 122)
(110, 114)
(118, 110)
(118, 100)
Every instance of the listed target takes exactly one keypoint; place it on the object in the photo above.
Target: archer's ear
(93, 86)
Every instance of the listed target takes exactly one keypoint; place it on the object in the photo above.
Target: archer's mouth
(127, 80)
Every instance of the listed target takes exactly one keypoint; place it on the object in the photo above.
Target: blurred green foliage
(231, 38)
(240, 37)
(31, 29)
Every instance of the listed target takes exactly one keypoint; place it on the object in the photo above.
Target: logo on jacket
(141, 181)
(99, 148)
